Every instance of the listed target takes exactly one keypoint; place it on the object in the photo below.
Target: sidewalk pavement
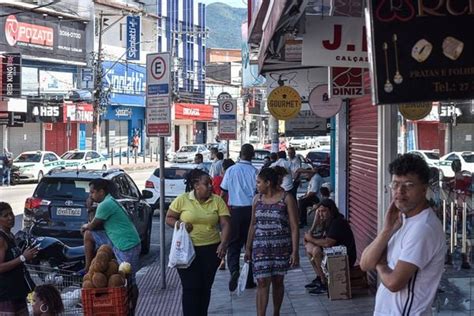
(155, 301)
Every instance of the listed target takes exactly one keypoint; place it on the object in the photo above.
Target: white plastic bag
(242, 279)
(182, 250)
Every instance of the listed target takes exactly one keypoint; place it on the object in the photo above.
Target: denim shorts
(131, 255)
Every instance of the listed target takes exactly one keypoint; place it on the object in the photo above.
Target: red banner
(192, 111)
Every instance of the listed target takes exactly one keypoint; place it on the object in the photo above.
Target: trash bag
(242, 279)
(182, 250)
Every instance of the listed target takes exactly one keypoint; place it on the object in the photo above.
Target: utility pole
(97, 90)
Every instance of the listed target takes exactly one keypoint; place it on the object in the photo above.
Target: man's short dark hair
(409, 163)
(214, 150)
(273, 156)
(324, 191)
(199, 156)
(220, 155)
(282, 154)
(100, 184)
(226, 163)
(247, 152)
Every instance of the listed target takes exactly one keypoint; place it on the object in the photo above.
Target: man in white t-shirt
(287, 181)
(408, 253)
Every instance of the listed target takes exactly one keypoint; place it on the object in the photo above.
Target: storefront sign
(321, 104)
(227, 119)
(302, 80)
(40, 35)
(44, 112)
(421, 50)
(56, 81)
(158, 101)
(346, 82)
(10, 75)
(457, 112)
(284, 103)
(306, 123)
(133, 37)
(336, 42)
(194, 112)
(123, 112)
(126, 83)
(415, 111)
(78, 112)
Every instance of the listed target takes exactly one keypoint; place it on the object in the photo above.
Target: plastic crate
(105, 301)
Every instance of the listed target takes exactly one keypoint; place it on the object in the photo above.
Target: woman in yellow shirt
(201, 211)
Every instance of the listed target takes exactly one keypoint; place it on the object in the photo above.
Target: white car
(175, 175)
(187, 152)
(34, 165)
(84, 159)
(301, 142)
(430, 156)
(466, 158)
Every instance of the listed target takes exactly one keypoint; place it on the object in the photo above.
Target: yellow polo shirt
(203, 216)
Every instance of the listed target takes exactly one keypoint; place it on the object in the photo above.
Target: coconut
(116, 280)
(102, 256)
(87, 277)
(107, 249)
(99, 280)
(112, 269)
(87, 284)
(99, 265)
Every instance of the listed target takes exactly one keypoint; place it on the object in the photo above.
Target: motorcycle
(53, 253)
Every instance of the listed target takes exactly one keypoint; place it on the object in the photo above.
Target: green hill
(224, 23)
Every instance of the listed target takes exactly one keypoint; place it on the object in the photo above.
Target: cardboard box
(339, 281)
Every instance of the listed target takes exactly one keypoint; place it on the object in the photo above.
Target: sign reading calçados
(284, 103)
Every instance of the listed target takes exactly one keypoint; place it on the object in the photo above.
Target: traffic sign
(158, 101)
(227, 118)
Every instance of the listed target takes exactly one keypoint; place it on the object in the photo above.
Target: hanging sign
(421, 50)
(284, 103)
(133, 37)
(10, 75)
(415, 111)
(321, 104)
(338, 42)
(346, 82)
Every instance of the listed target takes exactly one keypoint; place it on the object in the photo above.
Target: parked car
(221, 147)
(465, 157)
(301, 142)
(319, 157)
(430, 156)
(187, 152)
(58, 204)
(34, 165)
(175, 175)
(323, 143)
(84, 159)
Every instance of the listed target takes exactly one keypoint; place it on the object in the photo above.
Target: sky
(232, 3)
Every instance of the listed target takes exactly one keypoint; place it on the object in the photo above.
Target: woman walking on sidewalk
(272, 242)
(201, 211)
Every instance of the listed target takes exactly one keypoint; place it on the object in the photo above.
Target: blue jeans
(6, 176)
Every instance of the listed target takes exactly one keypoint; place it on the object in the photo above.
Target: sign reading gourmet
(42, 36)
(338, 42)
(284, 103)
(421, 50)
(10, 75)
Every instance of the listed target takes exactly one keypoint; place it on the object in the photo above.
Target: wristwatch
(22, 258)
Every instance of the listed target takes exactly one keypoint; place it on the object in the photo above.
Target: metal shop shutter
(24, 138)
(362, 172)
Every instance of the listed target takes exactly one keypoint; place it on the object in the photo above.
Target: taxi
(33, 165)
(84, 159)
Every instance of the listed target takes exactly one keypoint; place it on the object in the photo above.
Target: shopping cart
(67, 282)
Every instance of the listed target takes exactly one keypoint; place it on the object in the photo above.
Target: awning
(193, 111)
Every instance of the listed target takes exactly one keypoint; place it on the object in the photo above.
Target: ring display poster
(422, 50)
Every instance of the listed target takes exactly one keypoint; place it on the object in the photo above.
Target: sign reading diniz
(346, 82)
(338, 42)
(10, 75)
(78, 112)
(42, 36)
(421, 50)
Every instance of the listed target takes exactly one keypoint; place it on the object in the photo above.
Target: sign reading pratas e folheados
(158, 102)
(421, 50)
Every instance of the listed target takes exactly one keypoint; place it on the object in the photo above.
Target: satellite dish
(321, 104)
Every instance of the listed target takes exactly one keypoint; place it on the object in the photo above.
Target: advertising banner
(338, 42)
(38, 111)
(78, 112)
(421, 50)
(133, 38)
(10, 75)
(126, 83)
(36, 35)
(306, 124)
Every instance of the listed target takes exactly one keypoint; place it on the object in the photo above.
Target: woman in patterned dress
(272, 243)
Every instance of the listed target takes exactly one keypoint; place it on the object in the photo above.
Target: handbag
(242, 279)
(182, 251)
